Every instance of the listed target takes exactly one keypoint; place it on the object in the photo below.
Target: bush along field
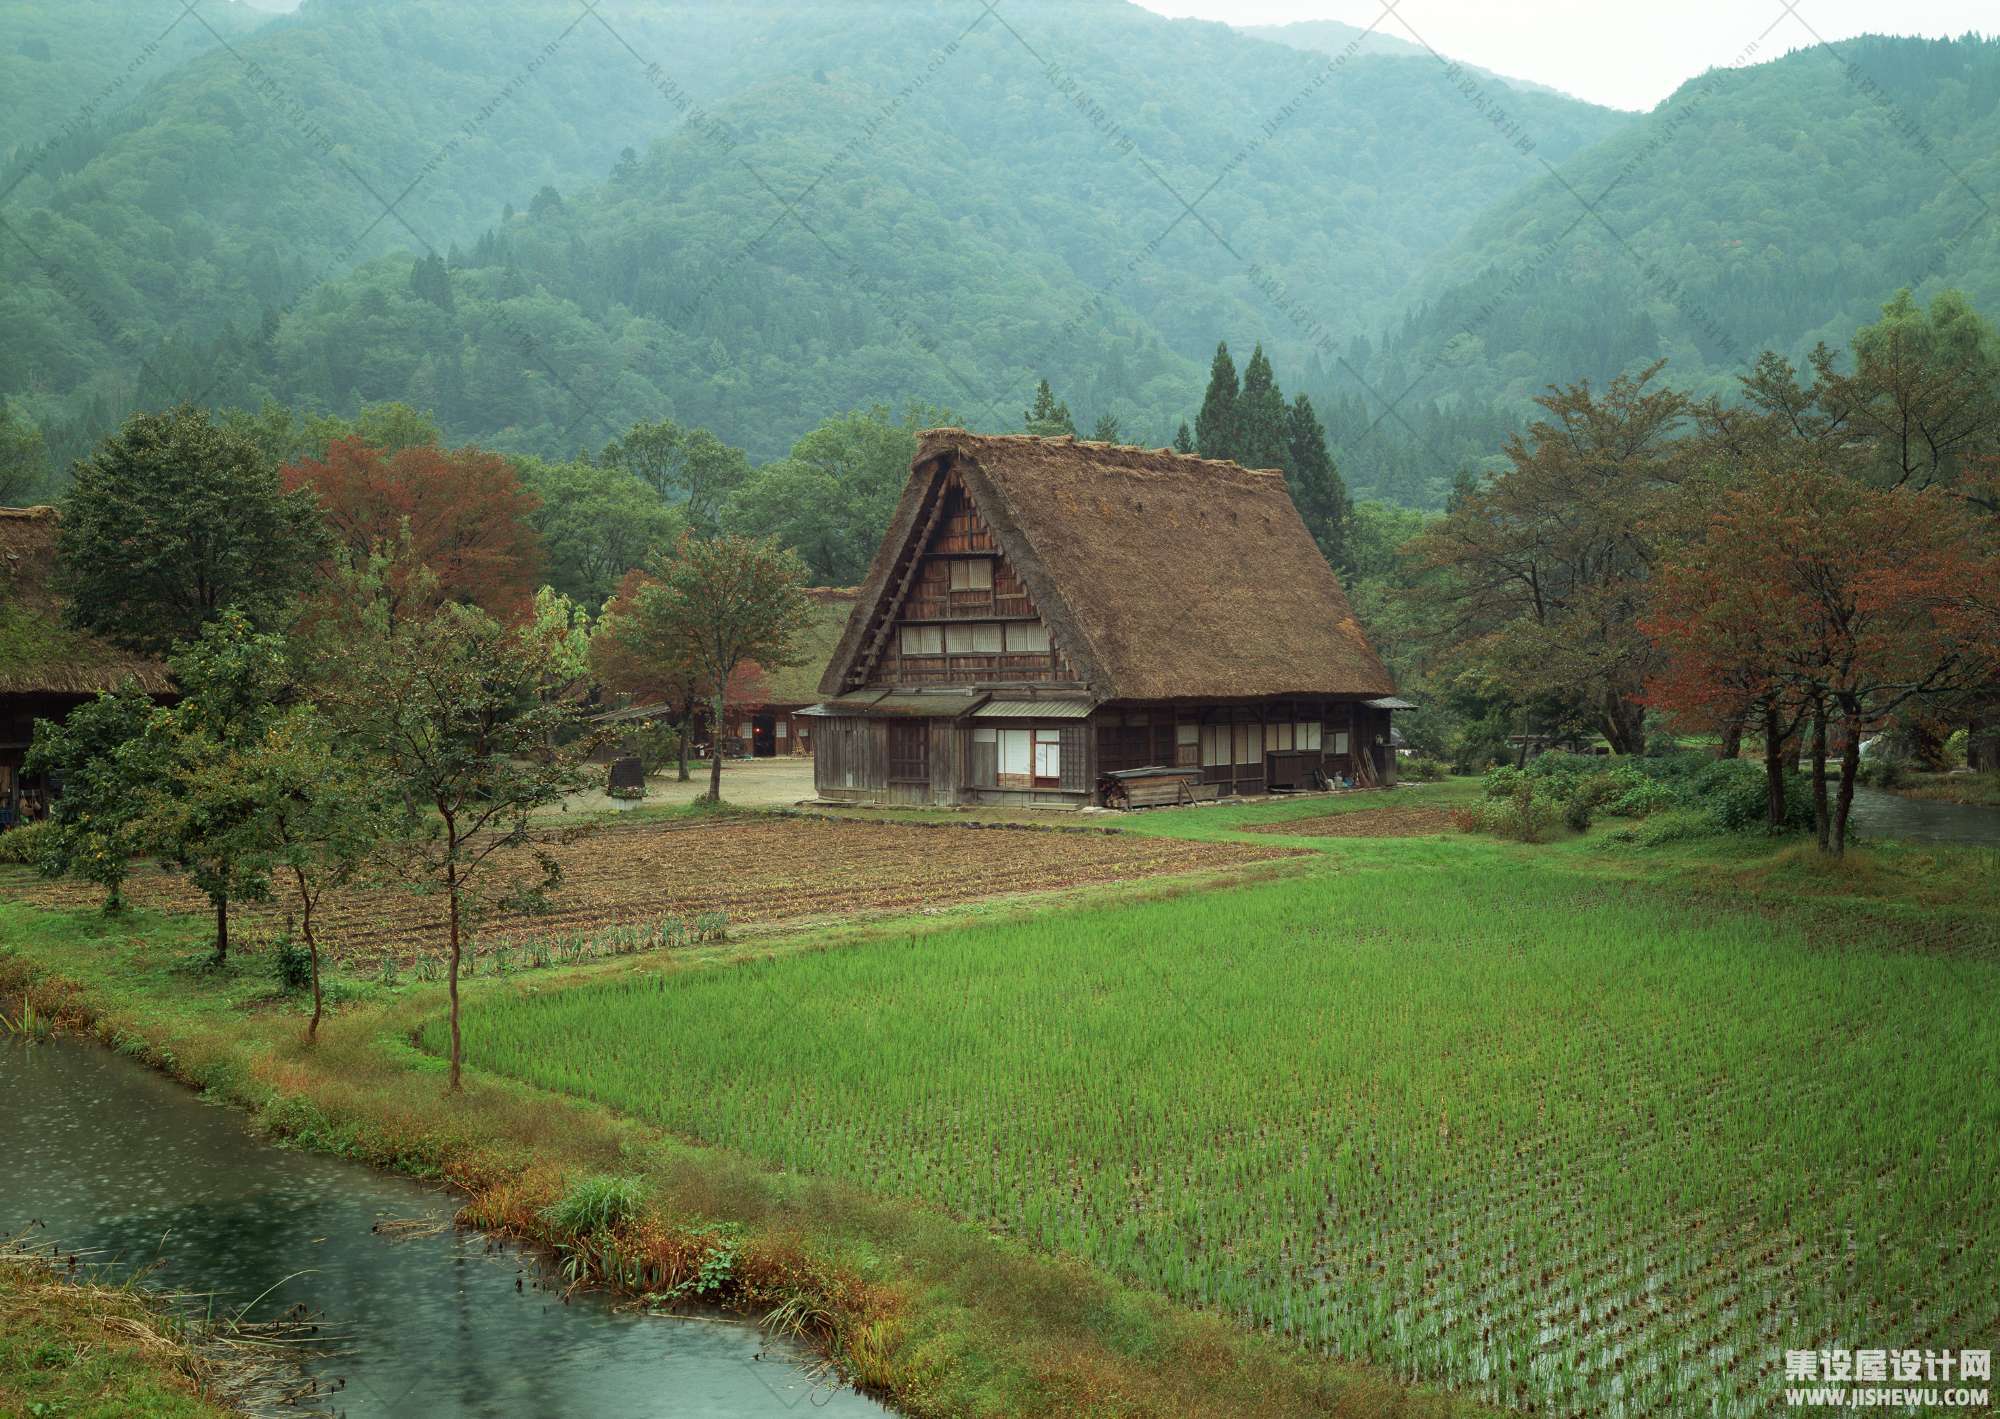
(1664, 798)
(1559, 1139)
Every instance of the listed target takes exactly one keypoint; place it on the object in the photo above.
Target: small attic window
(974, 574)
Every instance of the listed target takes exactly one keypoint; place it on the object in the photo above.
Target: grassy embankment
(88, 1350)
(1425, 1101)
(1981, 789)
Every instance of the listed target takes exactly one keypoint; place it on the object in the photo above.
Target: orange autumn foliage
(466, 511)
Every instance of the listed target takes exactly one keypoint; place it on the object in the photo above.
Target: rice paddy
(1483, 1121)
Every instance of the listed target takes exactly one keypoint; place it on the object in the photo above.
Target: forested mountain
(1765, 207)
(753, 217)
(975, 207)
(65, 68)
(1333, 37)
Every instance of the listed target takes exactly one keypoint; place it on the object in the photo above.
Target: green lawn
(1552, 1126)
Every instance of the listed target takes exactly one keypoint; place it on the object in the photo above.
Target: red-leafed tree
(460, 513)
(626, 657)
(1821, 589)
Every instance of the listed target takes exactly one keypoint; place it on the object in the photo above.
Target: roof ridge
(955, 435)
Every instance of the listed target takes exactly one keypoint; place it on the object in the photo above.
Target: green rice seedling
(1477, 1119)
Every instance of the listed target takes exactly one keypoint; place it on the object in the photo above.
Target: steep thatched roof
(38, 654)
(799, 684)
(1163, 576)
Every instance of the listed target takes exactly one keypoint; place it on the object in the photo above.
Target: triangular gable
(911, 538)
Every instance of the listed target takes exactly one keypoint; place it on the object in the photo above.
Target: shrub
(26, 845)
(1524, 815)
(1884, 771)
(1501, 782)
(1733, 794)
(292, 964)
(1673, 826)
(595, 1203)
(1417, 770)
(1642, 799)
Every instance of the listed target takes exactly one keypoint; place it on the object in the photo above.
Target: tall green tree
(455, 708)
(202, 811)
(831, 496)
(688, 466)
(597, 523)
(1262, 433)
(1536, 580)
(717, 605)
(1048, 416)
(1215, 421)
(325, 814)
(1316, 484)
(173, 520)
(102, 754)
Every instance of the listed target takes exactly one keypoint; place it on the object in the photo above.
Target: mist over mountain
(544, 226)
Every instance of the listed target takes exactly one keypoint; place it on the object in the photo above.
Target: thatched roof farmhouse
(1045, 615)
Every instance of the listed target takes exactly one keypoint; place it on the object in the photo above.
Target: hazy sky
(1626, 53)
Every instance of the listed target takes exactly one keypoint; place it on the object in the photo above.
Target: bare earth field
(756, 869)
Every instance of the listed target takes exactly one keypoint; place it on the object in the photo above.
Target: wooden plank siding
(990, 594)
(1141, 736)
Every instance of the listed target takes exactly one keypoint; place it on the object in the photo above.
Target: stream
(1881, 814)
(441, 1324)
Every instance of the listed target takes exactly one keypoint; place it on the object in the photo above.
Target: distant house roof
(799, 684)
(1162, 576)
(38, 653)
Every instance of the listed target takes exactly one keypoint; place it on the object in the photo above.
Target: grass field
(1554, 1129)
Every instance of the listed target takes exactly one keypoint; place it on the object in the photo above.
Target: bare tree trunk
(1822, 824)
(451, 890)
(683, 734)
(1850, 769)
(1624, 724)
(221, 956)
(1774, 768)
(1982, 738)
(312, 950)
(1732, 740)
(715, 752)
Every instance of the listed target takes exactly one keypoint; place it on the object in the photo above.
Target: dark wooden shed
(46, 668)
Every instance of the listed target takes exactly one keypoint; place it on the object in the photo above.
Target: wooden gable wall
(983, 629)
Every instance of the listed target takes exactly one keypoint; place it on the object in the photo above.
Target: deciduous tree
(718, 605)
(1858, 599)
(1539, 577)
(456, 708)
(171, 521)
(688, 466)
(466, 516)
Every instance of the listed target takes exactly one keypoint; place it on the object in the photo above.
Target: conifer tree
(1262, 439)
(1107, 430)
(1183, 440)
(1215, 424)
(1049, 417)
(1317, 488)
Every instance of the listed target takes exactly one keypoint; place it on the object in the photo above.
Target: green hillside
(980, 207)
(1771, 206)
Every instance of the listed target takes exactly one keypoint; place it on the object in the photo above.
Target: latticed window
(909, 753)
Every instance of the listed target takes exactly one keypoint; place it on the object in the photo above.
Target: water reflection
(111, 1156)
(1880, 814)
